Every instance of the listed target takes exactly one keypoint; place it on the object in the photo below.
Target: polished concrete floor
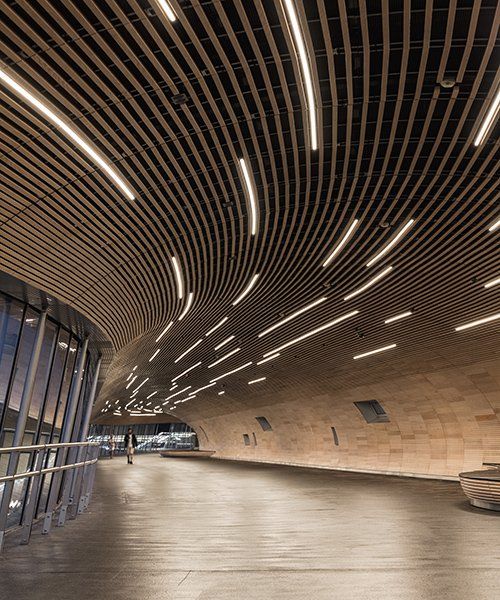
(206, 529)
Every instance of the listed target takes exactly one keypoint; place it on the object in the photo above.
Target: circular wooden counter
(482, 488)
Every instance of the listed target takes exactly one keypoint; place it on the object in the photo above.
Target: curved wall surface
(440, 423)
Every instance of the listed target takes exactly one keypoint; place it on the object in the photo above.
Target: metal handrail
(47, 470)
(46, 446)
(69, 495)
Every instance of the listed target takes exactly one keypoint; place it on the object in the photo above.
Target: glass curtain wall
(47, 412)
(151, 437)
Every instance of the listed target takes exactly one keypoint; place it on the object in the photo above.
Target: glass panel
(11, 316)
(66, 385)
(61, 350)
(42, 375)
(21, 367)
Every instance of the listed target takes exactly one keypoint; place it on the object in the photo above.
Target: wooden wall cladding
(441, 423)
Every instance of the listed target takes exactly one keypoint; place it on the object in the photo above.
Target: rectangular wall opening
(254, 439)
(335, 436)
(246, 439)
(372, 411)
(264, 423)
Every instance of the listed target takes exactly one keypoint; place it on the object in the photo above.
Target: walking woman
(130, 443)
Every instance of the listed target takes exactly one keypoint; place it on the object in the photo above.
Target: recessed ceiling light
(140, 385)
(495, 226)
(313, 332)
(188, 350)
(372, 281)
(201, 388)
(306, 72)
(394, 241)
(188, 387)
(383, 349)
(231, 372)
(71, 133)
(342, 242)
(221, 392)
(216, 327)
(292, 316)
(167, 9)
(251, 197)
(398, 317)
(246, 290)
(131, 382)
(256, 380)
(264, 360)
(224, 357)
(188, 306)
(164, 331)
(492, 283)
(224, 342)
(186, 371)
(479, 322)
(154, 355)
(178, 277)
(489, 119)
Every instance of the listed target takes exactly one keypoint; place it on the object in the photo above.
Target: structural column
(66, 435)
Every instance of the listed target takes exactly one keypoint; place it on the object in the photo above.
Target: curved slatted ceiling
(125, 102)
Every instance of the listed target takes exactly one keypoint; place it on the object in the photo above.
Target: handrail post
(22, 418)
(29, 510)
(65, 436)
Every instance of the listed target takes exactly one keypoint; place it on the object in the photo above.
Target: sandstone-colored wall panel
(441, 422)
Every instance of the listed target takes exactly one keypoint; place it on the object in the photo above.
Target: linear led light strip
(342, 242)
(256, 380)
(224, 342)
(231, 372)
(216, 327)
(224, 357)
(155, 355)
(492, 283)
(479, 322)
(188, 350)
(151, 395)
(188, 387)
(167, 9)
(383, 349)
(164, 331)
(138, 414)
(251, 197)
(394, 241)
(495, 226)
(398, 317)
(306, 72)
(172, 388)
(313, 332)
(184, 400)
(372, 281)
(293, 315)
(140, 385)
(264, 360)
(489, 119)
(71, 133)
(187, 307)
(253, 281)
(186, 371)
(178, 277)
(131, 382)
(202, 388)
